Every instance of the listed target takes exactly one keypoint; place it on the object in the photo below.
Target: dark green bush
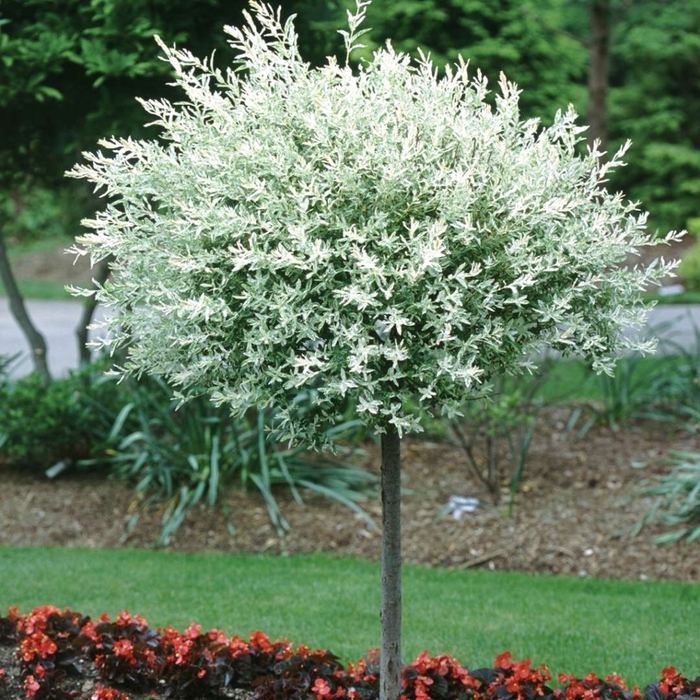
(67, 420)
(175, 457)
(180, 457)
(689, 269)
(676, 501)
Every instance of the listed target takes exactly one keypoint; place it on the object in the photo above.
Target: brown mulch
(573, 515)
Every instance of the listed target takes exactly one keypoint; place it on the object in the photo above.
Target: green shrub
(496, 432)
(664, 389)
(35, 213)
(6, 362)
(178, 457)
(630, 392)
(689, 269)
(175, 457)
(67, 420)
(677, 499)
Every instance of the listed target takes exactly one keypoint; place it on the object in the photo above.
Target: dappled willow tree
(380, 234)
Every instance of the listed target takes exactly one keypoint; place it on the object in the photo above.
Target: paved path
(56, 320)
(676, 325)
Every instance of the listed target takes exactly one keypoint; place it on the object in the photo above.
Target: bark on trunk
(390, 653)
(598, 74)
(36, 341)
(89, 307)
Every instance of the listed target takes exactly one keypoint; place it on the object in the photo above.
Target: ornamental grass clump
(382, 234)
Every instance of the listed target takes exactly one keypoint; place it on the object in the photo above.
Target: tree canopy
(654, 100)
(382, 233)
(69, 72)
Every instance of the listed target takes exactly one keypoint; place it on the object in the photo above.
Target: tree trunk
(89, 307)
(598, 74)
(390, 652)
(19, 311)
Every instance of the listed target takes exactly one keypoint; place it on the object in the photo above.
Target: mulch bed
(573, 516)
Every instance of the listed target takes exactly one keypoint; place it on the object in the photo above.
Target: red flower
(321, 688)
(124, 647)
(503, 660)
(38, 644)
(671, 681)
(149, 656)
(422, 687)
(323, 691)
(260, 641)
(125, 618)
(193, 631)
(617, 680)
(88, 630)
(182, 649)
(217, 636)
(106, 693)
(238, 646)
(31, 686)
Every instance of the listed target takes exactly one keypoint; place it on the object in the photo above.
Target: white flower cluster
(381, 233)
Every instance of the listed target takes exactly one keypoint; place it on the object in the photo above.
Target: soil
(573, 515)
(577, 505)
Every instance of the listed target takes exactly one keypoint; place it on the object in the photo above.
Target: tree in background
(598, 73)
(68, 75)
(655, 100)
(508, 36)
(643, 82)
(378, 234)
(631, 68)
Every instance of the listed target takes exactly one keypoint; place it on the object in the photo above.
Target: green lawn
(40, 289)
(573, 625)
(690, 297)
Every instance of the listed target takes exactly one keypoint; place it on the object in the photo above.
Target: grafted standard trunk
(390, 652)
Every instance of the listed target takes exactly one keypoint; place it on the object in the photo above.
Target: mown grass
(39, 288)
(688, 297)
(573, 625)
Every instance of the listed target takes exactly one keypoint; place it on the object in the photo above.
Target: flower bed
(49, 654)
